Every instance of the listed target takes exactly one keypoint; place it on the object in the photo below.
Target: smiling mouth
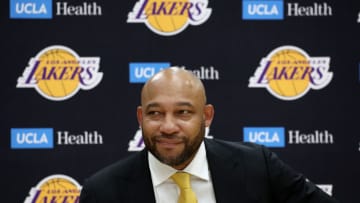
(169, 143)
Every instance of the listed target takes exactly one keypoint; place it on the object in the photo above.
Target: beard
(190, 147)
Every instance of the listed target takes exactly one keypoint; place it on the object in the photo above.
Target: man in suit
(173, 116)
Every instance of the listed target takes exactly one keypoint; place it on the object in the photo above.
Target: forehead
(173, 91)
(170, 94)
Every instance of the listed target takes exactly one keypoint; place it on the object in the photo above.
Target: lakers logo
(58, 73)
(169, 17)
(55, 188)
(289, 73)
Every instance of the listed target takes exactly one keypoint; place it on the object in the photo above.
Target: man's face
(173, 122)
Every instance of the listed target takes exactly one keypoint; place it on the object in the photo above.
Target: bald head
(173, 81)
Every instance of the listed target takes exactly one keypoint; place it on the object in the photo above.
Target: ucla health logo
(58, 73)
(32, 138)
(167, 17)
(263, 10)
(267, 136)
(288, 73)
(35, 9)
(141, 72)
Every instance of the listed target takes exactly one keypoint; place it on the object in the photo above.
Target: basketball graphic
(288, 60)
(58, 73)
(166, 17)
(289, 73)
(59, 188)
(58, 183)
(164, 22)
(56, 61)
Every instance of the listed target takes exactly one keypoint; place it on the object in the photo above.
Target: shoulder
(263, 170)
(106, 184)
(120, 182)
(120, 171)
(245, 148)
(249, 155)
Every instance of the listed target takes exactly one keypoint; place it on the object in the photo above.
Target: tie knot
(182, 179)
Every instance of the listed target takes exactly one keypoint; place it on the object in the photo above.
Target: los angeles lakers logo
(55, 188)
(58, 73)
(289, 73)
(169, 17)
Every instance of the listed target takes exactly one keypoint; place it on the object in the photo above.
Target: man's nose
(169, 125)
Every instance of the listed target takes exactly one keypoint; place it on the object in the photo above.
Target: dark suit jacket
(241, 172)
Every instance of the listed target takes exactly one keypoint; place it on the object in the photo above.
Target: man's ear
(139, 115)
(208, 114)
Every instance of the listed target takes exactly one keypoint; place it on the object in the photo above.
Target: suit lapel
(227, 172)
(140, 187)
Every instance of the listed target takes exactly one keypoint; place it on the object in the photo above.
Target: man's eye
(184, 112)
(153, 113)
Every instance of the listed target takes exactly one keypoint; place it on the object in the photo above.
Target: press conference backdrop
(282, 73)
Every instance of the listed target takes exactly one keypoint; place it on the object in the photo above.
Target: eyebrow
(156, 104)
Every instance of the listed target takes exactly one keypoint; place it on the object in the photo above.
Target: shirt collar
(198, 167)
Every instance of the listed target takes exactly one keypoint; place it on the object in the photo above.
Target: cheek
(191, 128)
(149, 126)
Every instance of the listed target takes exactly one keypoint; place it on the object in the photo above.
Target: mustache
(169, 136)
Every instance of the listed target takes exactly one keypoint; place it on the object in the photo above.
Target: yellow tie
(186, 193)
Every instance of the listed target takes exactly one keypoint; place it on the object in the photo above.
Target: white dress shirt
(166, 190)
